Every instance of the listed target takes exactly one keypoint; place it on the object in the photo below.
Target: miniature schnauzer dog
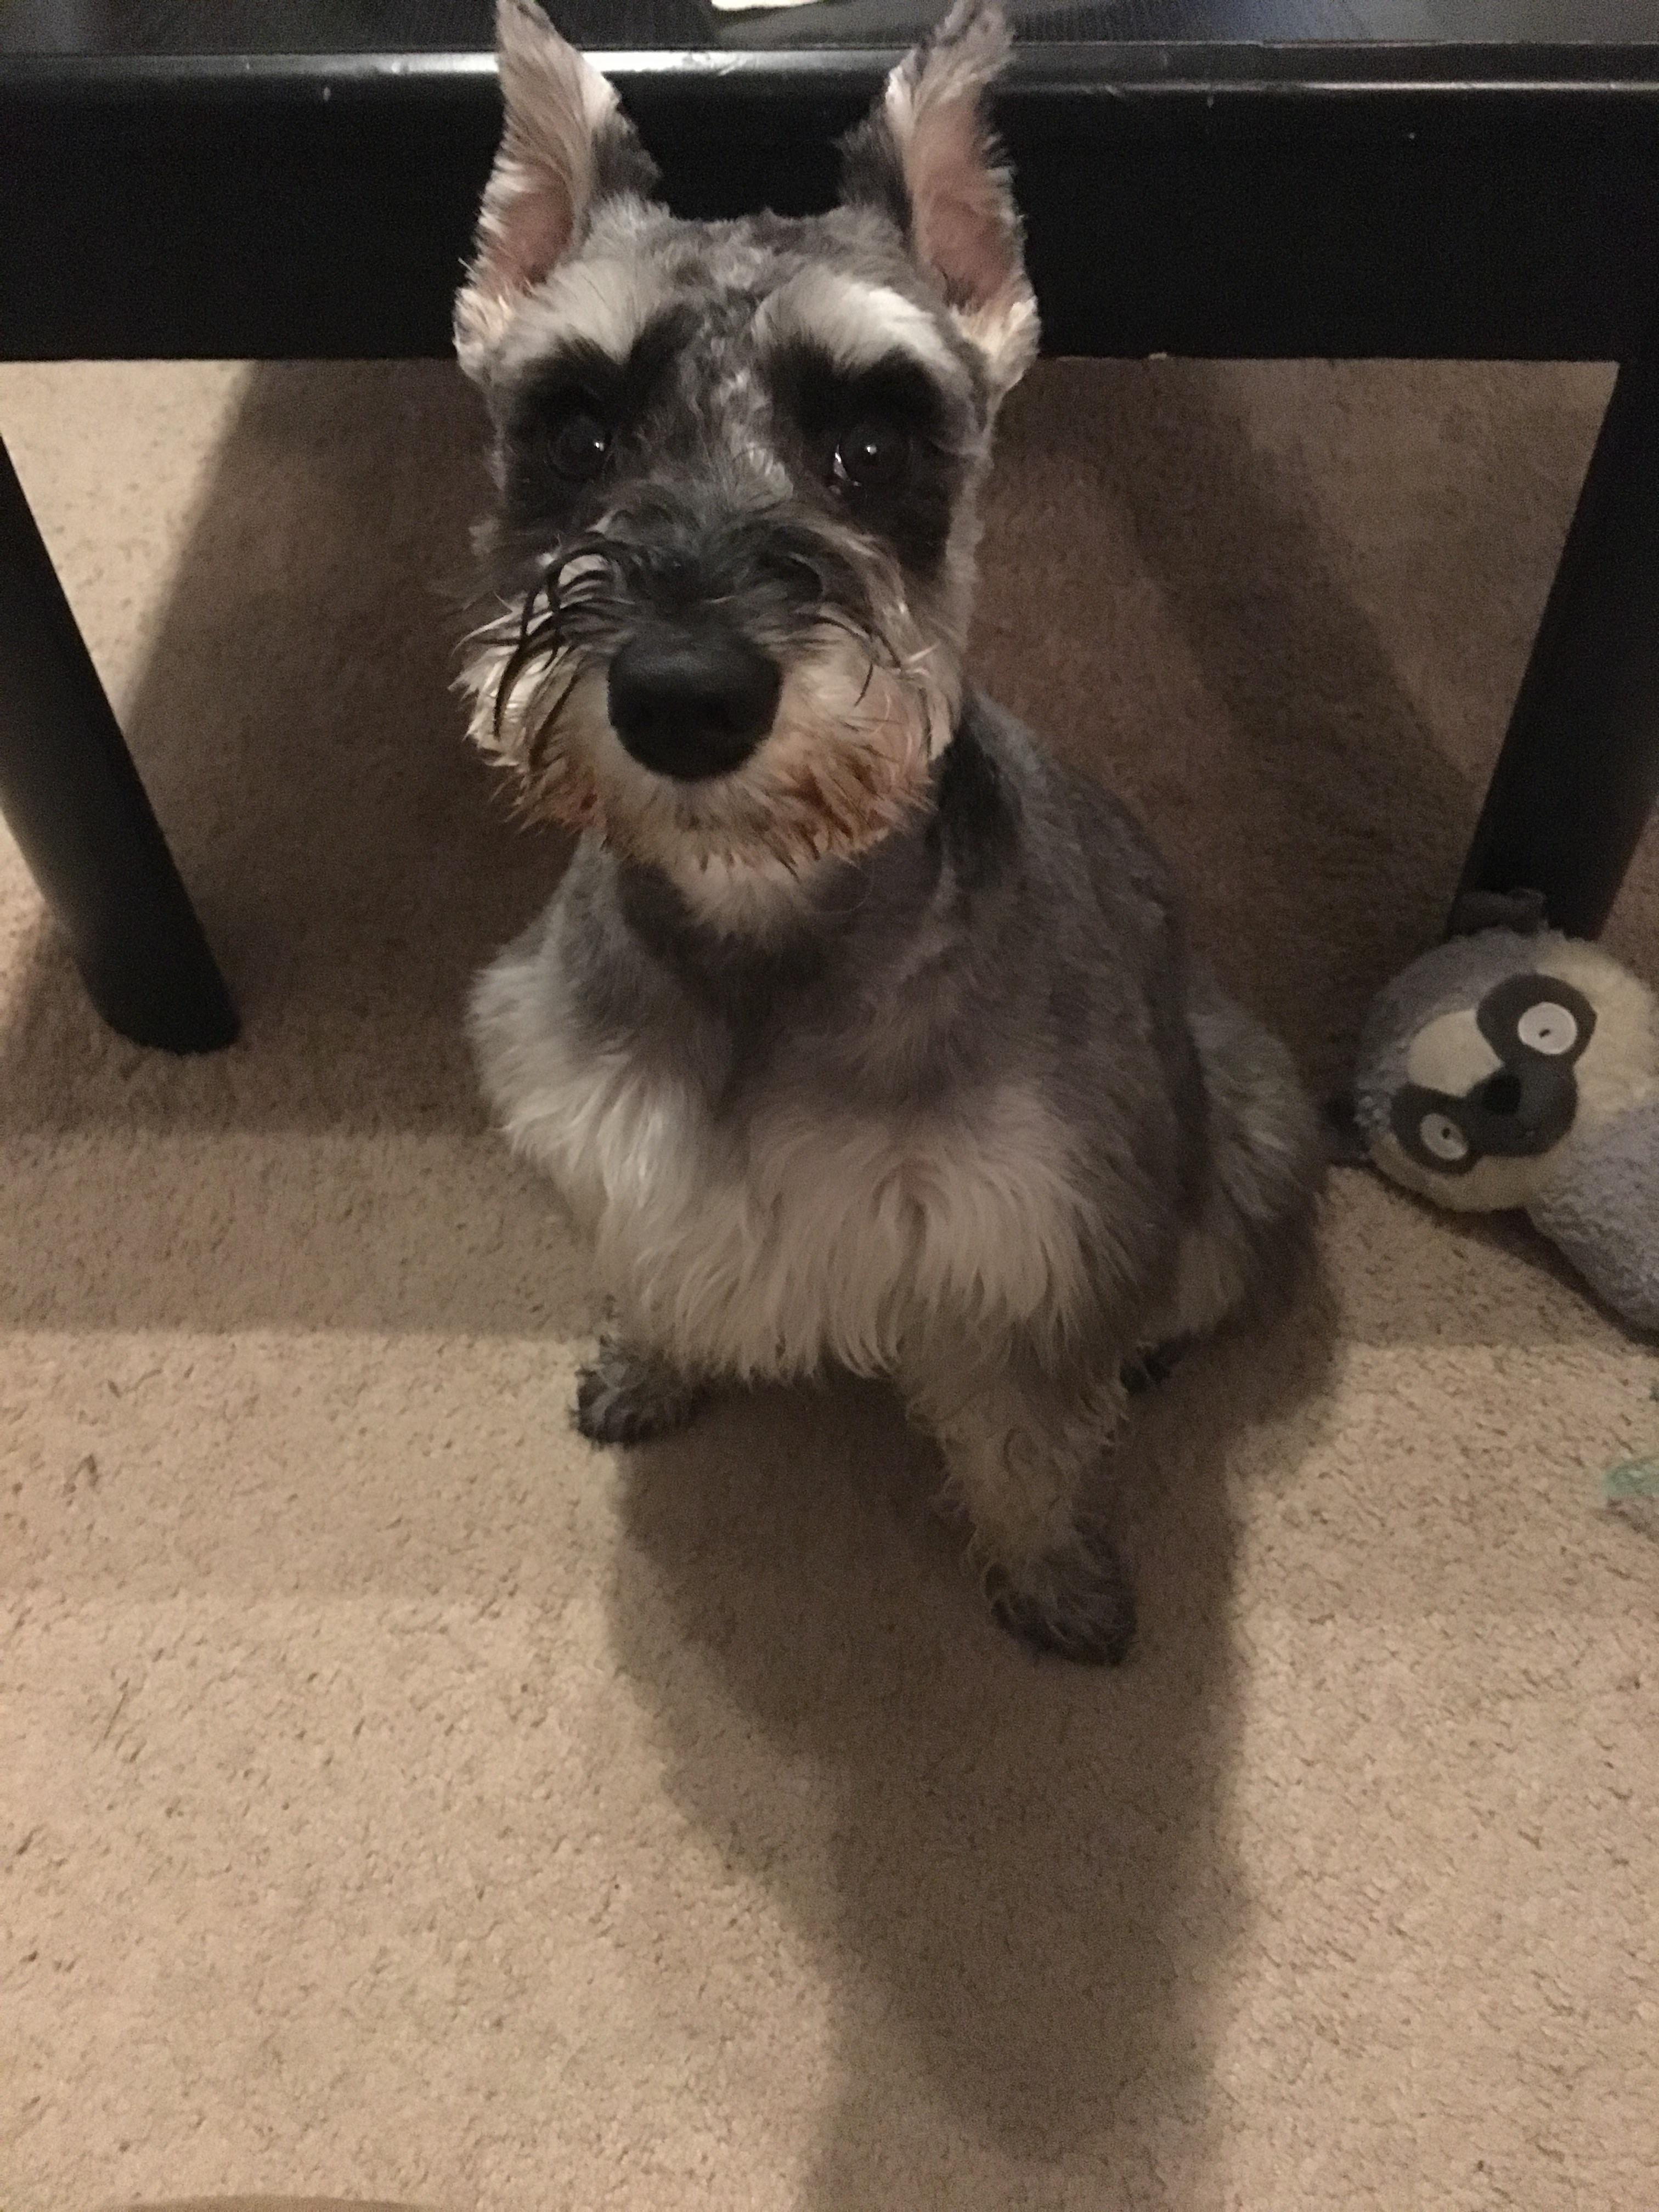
(860, 1033)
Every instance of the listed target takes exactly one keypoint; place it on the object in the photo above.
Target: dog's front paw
(628, 1396)
(1080, 1605)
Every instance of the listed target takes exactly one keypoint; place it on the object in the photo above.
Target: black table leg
(71, 795)
(1579, 772)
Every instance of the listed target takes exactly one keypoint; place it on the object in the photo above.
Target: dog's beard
(858, 725)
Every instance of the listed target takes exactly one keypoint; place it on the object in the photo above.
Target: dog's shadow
(1015, 1879)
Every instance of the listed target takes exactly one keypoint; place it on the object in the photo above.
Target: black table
(1473, 178)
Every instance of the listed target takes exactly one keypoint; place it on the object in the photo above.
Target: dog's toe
(1081, 1607)
(626, 1397)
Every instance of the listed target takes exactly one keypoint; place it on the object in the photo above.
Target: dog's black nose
(692, 703)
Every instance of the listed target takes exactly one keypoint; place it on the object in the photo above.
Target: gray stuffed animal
(1518, 1067)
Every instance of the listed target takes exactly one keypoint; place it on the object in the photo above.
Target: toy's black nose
(692, 703)
(1501, 1094)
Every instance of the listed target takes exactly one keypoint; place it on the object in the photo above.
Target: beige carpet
(399, 1801)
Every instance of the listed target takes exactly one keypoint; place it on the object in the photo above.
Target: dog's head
(729, 574)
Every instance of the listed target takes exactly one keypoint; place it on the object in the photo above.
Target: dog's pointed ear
(928, 155)
(565, 146)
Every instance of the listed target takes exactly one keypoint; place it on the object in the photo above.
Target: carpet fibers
(400, 1802)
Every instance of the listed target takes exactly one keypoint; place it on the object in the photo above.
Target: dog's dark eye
(871, 454)
(579, 445)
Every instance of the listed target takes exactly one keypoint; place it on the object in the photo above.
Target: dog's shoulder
(1002, 789)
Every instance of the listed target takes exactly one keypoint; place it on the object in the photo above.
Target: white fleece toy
(1515, 1067)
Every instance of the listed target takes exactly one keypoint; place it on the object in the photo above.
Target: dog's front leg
(630, 1393)
(1023, 1444)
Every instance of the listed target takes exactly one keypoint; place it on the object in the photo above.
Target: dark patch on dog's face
(1538, 1027)
(547, 486)
(706, 405)
(877, 443)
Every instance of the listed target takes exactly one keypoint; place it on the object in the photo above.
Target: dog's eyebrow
(856, 324)
(606, 304)
(818, 390)
(576, 364)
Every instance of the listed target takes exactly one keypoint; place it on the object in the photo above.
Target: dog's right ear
(565, 145)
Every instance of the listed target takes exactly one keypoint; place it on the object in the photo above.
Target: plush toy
(1518, 1067)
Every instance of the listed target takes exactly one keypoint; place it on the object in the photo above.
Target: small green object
(1631, 1478)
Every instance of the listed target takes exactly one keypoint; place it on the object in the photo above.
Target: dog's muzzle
(691, 703)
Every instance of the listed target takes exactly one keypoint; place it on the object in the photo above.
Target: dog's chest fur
(769, 1241)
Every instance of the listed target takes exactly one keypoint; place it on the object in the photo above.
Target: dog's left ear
(565, 145)
(928, 155)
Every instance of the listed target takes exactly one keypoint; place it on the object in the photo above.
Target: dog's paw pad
(1081, 1608)
(624, 1398)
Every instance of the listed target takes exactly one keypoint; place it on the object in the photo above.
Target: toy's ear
(565, 146)
(1523, 912)
(927, 156)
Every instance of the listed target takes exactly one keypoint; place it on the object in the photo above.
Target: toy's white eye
(1547, 1028)
(1443, 1138)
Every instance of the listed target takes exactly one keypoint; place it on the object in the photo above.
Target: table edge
(1128, 70)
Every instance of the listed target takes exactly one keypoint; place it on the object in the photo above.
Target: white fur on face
(848, 755)
(818, 1236)
(598, 300)
(857, 324)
